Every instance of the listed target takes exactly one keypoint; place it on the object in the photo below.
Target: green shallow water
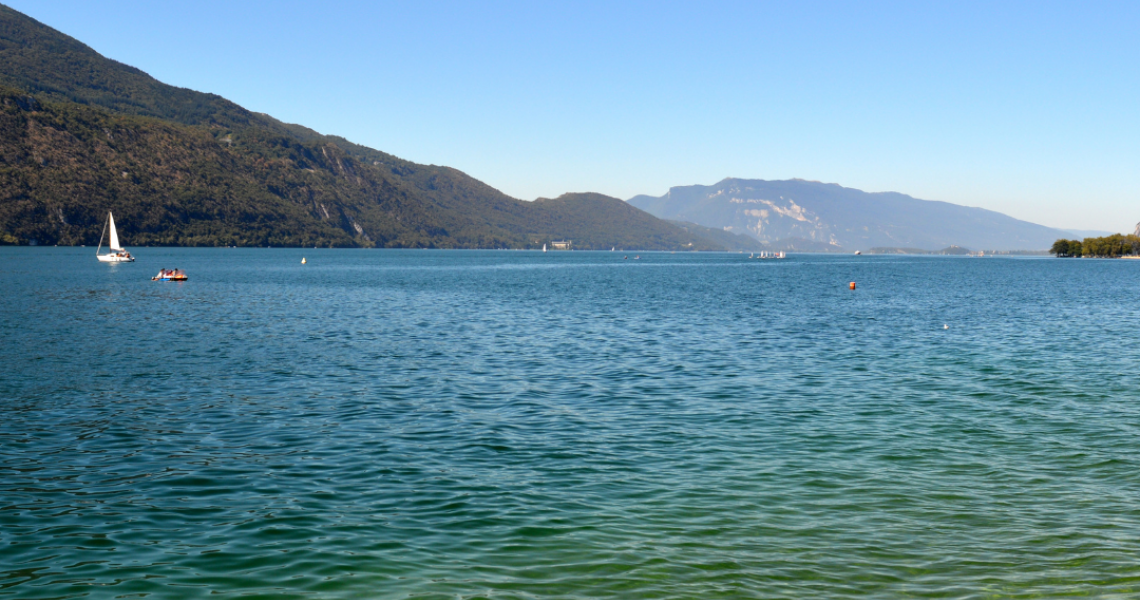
(437, 424)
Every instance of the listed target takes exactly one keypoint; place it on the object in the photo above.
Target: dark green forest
(81, 135)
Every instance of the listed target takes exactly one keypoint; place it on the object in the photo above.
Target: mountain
(842, 218)
(950, 251)
(81, 134)
(799, 244)
(725, 239)
(1080, 234)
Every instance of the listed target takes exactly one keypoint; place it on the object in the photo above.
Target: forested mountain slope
(81, 134)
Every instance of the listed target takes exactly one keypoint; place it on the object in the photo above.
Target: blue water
(462, 424)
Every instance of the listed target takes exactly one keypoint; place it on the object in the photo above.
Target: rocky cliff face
(843, 218)
(737, 206)
(776, 218)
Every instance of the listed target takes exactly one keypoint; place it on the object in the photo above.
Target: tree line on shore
(1109, 246)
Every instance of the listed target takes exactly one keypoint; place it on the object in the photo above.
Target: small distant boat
(612, 248)
(303, 261)
(858, 252)
(544, 247)
(117, 253)
(170, 275)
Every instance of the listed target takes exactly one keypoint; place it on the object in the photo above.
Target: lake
(496, 424)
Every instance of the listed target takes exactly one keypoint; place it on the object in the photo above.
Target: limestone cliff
(838, 218)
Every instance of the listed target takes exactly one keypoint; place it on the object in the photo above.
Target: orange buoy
(852, 285)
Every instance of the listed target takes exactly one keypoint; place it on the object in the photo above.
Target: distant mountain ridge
(81, 134)
(843, 219)
(1084, 233)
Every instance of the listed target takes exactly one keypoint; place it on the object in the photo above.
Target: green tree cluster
(1110, 246)
(1066, 248)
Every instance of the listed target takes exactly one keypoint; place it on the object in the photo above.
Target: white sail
(115, 246)
(117, 254)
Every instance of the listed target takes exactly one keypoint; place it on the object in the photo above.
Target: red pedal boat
(170, 275)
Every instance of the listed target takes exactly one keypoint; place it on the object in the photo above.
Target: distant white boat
(117, 253)
(544, 247)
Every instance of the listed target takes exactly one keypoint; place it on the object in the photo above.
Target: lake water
(480, 424)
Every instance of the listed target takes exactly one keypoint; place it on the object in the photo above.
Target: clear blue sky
(1028, 108)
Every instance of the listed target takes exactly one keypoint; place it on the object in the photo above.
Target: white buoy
(303, 261)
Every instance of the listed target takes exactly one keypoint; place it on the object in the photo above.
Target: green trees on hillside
(1110, 246)
(81, 135)
(64, 165)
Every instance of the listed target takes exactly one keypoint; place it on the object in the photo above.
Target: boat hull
(111, 258)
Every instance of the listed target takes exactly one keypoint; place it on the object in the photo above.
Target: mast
(101, 236)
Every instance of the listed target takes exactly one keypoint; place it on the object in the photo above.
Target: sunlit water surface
(438, 424)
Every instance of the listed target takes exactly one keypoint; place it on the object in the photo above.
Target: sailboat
(544, 247)
(117, 253)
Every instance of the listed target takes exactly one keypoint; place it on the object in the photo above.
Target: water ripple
(570, 425)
